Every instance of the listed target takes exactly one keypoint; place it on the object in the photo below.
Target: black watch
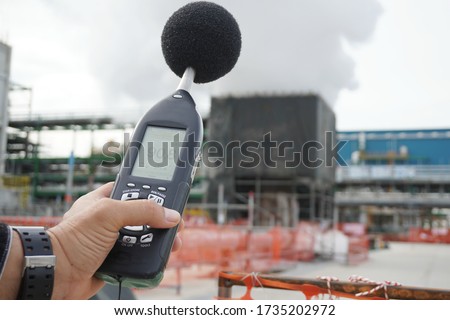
(39, 270)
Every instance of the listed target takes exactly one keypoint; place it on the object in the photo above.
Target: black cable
(120, 287)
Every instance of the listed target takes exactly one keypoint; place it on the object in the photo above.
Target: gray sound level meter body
(159, 165)
(201, 42)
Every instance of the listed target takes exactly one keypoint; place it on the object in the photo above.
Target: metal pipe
(187, 79)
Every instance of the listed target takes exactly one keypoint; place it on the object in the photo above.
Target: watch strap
(39, 271)
(5, 245)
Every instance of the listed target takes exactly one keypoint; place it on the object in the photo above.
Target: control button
(130, 196)
(178, 96)
(128, 239)
(162, 189)
(146, 238)
(156, 198)
(146, 187)
(131, 185)
(134, 228)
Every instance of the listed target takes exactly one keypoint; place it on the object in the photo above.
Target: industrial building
(30, 183)
(276, 148)
(390, 181)
(395, 180)
(267, 160)
(49, 184)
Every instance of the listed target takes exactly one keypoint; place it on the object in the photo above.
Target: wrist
(71, 281)
(61, 286)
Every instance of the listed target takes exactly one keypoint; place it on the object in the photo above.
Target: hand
(88, 232)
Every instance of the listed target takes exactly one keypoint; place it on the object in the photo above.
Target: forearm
(12, 274)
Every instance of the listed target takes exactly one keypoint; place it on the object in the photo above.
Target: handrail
(393, 173)
(314, 287)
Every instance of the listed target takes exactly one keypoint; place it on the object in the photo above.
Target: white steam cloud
(287, 46)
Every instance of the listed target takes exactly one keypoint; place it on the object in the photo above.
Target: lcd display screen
(158, 154)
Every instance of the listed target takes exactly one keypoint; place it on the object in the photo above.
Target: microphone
(201, 42)
(203, 36)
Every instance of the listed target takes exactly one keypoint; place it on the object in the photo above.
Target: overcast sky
(380, 64)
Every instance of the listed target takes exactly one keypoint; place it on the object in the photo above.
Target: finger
(90, 198)
(181, 226)
(136, 212)
(102, 192)
(177, 244)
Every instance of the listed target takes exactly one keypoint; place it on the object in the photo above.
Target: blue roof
(399, 131)
(411, 147)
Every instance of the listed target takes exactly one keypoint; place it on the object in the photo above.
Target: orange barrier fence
(30, 221)
(352, 228)
(415, 234)
(436, 235)
(234, 248)
(394, 236)
(325, 287)
(207, 249)
(358, 242)
(358, 249)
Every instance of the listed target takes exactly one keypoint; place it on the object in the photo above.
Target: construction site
(279, 189)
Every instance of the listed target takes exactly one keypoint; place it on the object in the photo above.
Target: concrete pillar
(312, 202)
(396, 221)
(5, 61)
(295, 210)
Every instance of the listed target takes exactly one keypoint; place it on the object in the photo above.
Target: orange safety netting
(231, 247)
(434, 235)
(31, 221)
(358, 249)
(235, 248)
(358, 242)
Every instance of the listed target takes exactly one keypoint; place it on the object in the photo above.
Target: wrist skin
(62, 287)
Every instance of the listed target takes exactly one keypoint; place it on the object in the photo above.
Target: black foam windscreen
(202, 35)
